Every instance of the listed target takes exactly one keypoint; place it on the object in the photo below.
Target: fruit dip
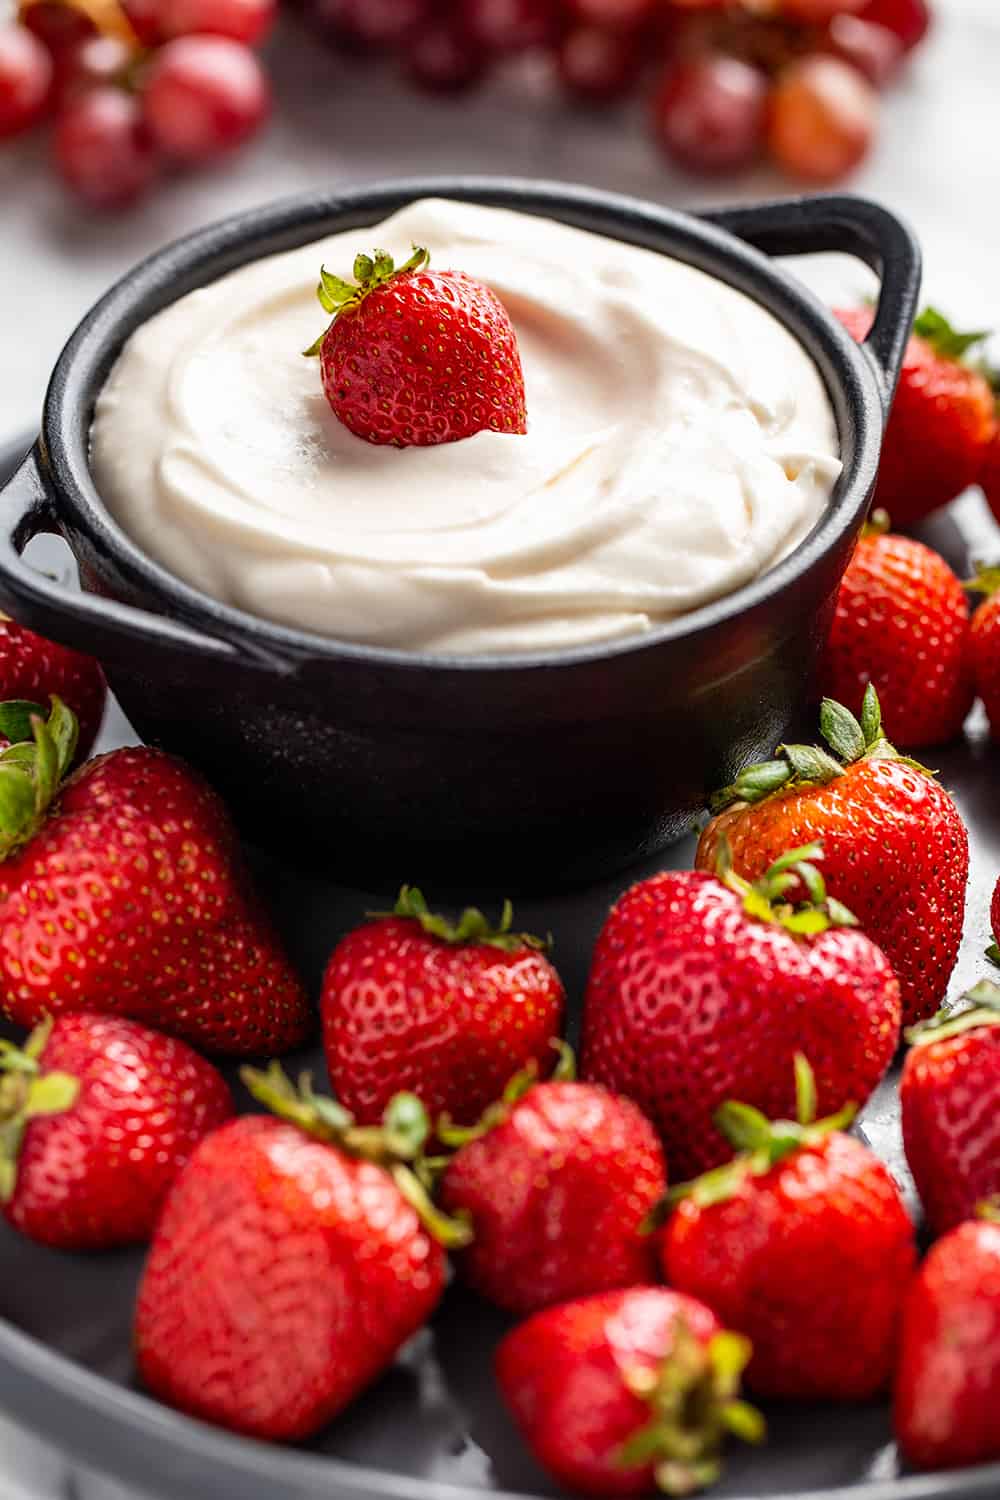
(680, 442)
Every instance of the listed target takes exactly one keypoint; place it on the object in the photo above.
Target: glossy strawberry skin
(690, 1002)
(427, 358)
(95, 1177)
(950, 1101)
(902, 622)
(562, 1375)
(283, 1277)
(939, 431)
(989, 475)
(948, 1381)
(811, 1261)
(895, 852)
(405, 1011)
(34, 668)
(557, 1193)
(132, 899)
(984, 647)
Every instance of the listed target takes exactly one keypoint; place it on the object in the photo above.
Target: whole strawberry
(556, 1183)
(122, 890)
(902, 623)
(950, 1100)
(623, 1392)
(33, 669)
(704, 988)
(415, 357)
(942, 422)
(948, 1381)
(448, 1011)
(289, 1265)
(99, 1116)
(984, 644)
(803, 1244)
(895, 849)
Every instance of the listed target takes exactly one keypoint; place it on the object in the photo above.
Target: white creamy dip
(680, 442)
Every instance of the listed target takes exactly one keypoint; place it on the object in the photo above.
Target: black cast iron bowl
(557, 766)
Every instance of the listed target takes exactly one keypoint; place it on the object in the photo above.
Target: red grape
(98, 60)
(874, 50)
(246, 21)
(822, 118)
(443, 59)
(57, 25)
(204, 95)
(25, 79)
(510, 25)
(103, 150)
(709, 113)
(598, 65)
(146, 18)
(817, 12)
(613, 15)
(909, 19)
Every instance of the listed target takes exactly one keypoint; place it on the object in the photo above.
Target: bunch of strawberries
(689, 1215)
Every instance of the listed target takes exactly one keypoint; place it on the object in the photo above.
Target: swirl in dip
(680, 442)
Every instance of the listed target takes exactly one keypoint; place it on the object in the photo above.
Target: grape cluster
(729, 80)
(137, 87)
(134, 89)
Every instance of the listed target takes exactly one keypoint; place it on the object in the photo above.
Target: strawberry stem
(472, 927)
(25, 1094)
(982, 1009)
(934, 328)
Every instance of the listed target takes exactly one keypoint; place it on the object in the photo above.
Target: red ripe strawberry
(942, 423)
(705, 988)
(416, 357)
(122, 890)
(556, 1182)
(447, 1011)
(803, 1244)
(950, 1099)
(617, 1393)
(989, 475)
(984, 645)
(99, 1116)
(34, 669)
(895, 849)
(948, 1381)
(289, 1265)
(902, 623)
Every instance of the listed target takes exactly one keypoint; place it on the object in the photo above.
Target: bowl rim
(207, 254)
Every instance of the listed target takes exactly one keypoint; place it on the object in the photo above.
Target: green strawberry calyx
(454, 1137)
(472, 929)
(766, 899)
(979, 1007)
(986, 581)
(761, 1145)
(397, 1145)
(694, 1402)
(851, 740)
(935, 329)
(370, 272)
(26, 1094)
(39, 753)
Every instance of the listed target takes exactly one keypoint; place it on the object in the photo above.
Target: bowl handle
(103, 627)
(853, 226)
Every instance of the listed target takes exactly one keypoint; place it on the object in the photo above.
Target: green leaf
(17, 801)
(805, 1090)
(729, 1354)
(871, 716)
(839, 914)
(64, 730)
(565, 1068)
(364, 267)
(841, 731)
(744, 1421)
(744, 1127)
(938, 332)
(793, 857)
(806, 923)
(15, 719)
(406, 1122)
(811, 764)
(51, 1094)
(993, 953)
(334, 290)
(46, 765)
(641, 1448)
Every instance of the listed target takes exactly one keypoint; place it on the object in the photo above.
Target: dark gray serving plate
(432, 1428)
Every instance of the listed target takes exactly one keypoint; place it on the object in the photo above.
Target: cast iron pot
(553, 767)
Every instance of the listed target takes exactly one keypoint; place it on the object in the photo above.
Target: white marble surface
(936, 162)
